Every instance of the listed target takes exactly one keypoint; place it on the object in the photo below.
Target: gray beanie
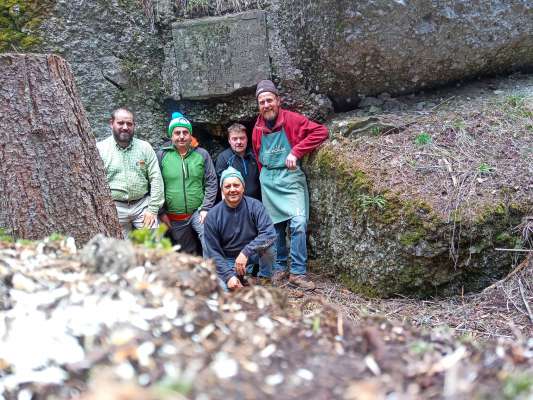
(266, 86)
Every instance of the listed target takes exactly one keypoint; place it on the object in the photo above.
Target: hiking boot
(301, 282)
(259, 281)
(279, 278)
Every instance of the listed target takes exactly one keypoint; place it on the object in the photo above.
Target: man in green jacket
(190, 184)
(132, 174)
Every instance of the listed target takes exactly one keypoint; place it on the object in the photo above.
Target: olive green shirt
(132, 172)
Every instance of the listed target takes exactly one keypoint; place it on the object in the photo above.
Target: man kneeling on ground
(238, 232)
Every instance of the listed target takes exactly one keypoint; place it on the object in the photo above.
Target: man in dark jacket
(240, 157)
(190, 184)
(238, 232)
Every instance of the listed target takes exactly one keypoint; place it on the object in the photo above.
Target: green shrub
(367, 201)
(485, 168)
(151, 238)
(4, 237)
(519, 385)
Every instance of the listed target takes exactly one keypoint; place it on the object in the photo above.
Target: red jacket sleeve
(304, 135)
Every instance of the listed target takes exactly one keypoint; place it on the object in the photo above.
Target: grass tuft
(423, 138)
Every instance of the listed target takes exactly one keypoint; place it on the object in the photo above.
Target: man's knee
(197, 226)
(298, 224)
(268, 254)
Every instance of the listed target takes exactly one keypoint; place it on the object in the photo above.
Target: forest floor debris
(159, 328)
(459, 145)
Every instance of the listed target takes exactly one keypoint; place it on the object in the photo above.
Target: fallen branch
(518, 250)
(523, 265)
(442, 103)
(526, 304)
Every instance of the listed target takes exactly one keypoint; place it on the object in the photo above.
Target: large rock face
(432, 201)
(319, 52)
(346, 49)
(116, 56)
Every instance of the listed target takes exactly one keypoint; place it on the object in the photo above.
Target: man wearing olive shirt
(132, 173)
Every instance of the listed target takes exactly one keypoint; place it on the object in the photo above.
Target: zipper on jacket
(183, 172)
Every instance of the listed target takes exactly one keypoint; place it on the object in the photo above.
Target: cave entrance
(213, 137)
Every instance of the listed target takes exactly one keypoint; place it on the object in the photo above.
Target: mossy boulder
(390, 216)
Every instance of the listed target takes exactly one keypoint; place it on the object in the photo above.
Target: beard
(270, 115)
(123, 137)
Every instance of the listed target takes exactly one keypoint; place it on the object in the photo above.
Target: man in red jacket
(280, 139)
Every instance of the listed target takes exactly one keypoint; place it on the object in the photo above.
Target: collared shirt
(132, 172)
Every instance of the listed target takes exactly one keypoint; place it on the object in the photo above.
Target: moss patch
(412, 237)
(404, 246)
(19, 23)
(357, 287)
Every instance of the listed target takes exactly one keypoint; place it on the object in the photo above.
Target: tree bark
(52, 179)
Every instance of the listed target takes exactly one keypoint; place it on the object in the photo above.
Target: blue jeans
(265, 259)
(198, 228)
(297, 231)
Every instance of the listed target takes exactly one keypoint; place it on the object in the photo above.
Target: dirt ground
(503, 310)
(156, 326)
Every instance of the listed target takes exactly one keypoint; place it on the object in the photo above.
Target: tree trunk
(52, 179)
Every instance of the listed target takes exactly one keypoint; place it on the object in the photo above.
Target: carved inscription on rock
(216, 56)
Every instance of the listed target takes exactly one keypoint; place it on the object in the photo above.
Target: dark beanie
(266, 86)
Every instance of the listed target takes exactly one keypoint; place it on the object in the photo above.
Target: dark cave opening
(213, 137)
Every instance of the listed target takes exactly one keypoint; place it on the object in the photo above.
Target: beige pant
(130, 215)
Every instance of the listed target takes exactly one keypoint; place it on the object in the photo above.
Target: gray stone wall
(218, 56)
(321, 53)
(348, 49)
(116, 57)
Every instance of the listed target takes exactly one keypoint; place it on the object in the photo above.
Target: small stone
(274, 379)
(125, 371)
(121, 337)
(102, 254)
(144, 351)
(144, 379)
(268, 351)
(250, 366)
(224, 367)
(305, 374)
(374, 110)
(25, 394)
(21, 282)
(266, 323)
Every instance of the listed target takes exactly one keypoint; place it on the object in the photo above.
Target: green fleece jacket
(190, 181)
